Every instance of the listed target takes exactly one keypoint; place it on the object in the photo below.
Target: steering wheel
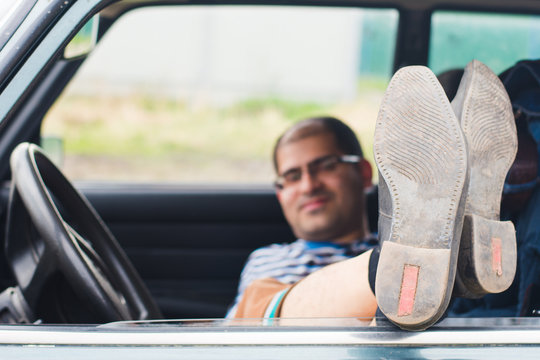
(67, 263)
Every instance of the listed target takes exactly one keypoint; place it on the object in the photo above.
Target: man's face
(324, 205)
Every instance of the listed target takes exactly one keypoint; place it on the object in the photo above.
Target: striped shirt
(290, 263)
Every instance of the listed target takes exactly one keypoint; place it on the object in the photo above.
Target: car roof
(518, 6)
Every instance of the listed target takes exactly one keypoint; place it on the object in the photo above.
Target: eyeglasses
(324, 165)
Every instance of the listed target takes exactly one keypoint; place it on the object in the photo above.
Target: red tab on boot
(408, 289)
(496, 256)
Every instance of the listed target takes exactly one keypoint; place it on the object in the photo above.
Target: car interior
(175, 250)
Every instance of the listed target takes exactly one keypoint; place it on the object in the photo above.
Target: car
(162, 115)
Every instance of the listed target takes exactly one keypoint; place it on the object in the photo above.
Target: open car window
(199, 94)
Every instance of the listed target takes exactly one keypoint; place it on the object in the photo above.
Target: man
(321, 191)
(426, 176)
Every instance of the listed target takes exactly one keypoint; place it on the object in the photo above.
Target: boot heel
(487, 254)
(420, 298)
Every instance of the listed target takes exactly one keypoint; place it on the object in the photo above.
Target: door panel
(190, 244)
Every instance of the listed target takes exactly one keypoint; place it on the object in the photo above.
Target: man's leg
(429, 209)
(488, 252)
(338, 290)
(421, 155)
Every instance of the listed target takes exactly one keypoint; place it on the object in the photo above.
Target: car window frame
(18, 11)
(282, 332)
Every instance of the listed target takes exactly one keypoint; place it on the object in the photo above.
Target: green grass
(166, 138)
(290, 110)
(372, 84)
(146, 126)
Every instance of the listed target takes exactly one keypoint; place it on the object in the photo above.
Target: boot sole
(487, 260)
(421, 155)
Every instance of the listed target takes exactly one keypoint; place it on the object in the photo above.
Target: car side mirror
(84, 41)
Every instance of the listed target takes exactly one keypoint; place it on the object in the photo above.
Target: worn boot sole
(487, 260)
(421, 155)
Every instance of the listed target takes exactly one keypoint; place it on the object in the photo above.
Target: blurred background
(199, 94)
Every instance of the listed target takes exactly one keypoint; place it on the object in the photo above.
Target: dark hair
(345, 138)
